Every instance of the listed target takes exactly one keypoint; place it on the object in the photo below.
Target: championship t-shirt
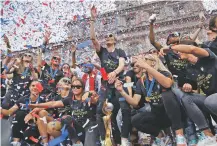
(81, 111)
(155, 98)
(23, 102)
(50, 77)
(110, 60)
(20, 82)
(204, 72)
(178, 67)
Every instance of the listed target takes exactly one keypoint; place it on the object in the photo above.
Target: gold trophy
(107, 110)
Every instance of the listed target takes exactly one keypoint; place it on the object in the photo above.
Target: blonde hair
(158, 63)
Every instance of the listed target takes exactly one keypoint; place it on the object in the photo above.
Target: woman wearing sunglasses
(50, 73)
(155, 88)
(23, 73)
(112, 62)
(83, 110)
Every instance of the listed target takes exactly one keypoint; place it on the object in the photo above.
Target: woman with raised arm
(50, 73)
(112, 63)
(154, 88)
(23, 72)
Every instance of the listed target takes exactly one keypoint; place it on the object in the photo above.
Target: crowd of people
(173, 101)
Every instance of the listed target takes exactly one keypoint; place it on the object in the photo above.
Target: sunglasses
(27, 55)
(152, 52)
(76, 86)
(56, 58)
(175, 34)
(109, 36)
(67, 81)
(65, 67)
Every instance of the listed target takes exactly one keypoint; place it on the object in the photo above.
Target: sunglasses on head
(66, 81)
(27, 55)
(76, 86)
(56, 58)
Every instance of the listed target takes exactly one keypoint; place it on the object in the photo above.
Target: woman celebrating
(154, 88)
(23, 73)
(83, 111)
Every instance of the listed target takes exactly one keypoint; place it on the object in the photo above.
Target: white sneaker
(125, 142)
(102, 142)
(16, 143)
(180, 140)
(207, 140)
(152, 18)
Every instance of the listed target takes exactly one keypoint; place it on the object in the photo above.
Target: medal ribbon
(149, 88)
(53, 74)
(28, 101)
(25, 72)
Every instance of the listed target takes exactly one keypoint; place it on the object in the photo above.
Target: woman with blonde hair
(23, 73)
(155, 88)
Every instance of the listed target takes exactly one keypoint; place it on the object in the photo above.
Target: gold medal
(148, 99)
(22, 77)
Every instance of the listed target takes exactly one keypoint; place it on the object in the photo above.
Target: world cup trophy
(107, 110)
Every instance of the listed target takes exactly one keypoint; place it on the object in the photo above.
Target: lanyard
(28, 101)
(25, 72)
(149, 88)
(53, 74)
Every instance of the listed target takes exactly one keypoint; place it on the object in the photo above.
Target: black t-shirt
(110, 60)
(58, 112)
(178, 67)
(155, 97)
(204, 72)
(212, 45)
(20, 82)
(81, 111)
(21, 102)
(47, 75)
(134, 79)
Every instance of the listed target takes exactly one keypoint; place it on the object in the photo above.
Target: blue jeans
(211, 103)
